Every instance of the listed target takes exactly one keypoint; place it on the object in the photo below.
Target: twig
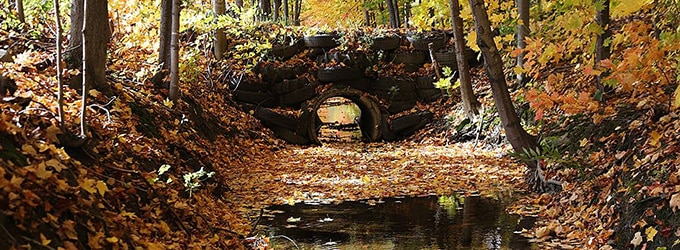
(435, 64)
(226, 230)
(12, 239)
(286, 237)
(37, 243)
(102, 107)
(252, 232)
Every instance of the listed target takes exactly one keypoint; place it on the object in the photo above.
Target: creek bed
(431, 222)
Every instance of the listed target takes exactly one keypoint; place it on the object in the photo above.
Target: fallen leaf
(651, 232)
(41, 171)
(654, 138)
(44, 241)
(101, 187)
(675, 202)
(542, 232)
(637, 239)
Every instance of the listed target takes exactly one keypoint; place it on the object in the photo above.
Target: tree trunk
(220, 39)
(174, 53)
(276, 10)
(159, 79)
(407, 14)
(20, 11)
(601, 49)
(522, 32)
(165, 33)
(393, 17)
(266, 8)
(470, 103)
(296, 12)
(75, 53)
(518, 137)
(285, 12)
(60, 83)
(97, 34)
(395, 4)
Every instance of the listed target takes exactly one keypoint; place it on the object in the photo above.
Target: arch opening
(369, 116)
(339, 120)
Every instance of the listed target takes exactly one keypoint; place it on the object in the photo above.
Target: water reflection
(406, 223)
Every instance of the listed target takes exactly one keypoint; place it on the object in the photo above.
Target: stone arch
(371, 113)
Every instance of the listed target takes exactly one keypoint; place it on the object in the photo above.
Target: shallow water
(398, 223)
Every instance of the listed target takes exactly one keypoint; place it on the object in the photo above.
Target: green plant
(445, 83)
(192, 181)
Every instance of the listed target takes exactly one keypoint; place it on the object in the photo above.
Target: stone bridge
(385, 80)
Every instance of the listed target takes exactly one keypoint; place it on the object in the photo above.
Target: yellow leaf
(44, 241)
(583, 142)
(472, 40)
(112, 239)
(365, 179)
(168, 103)
(28, 149)
(41, 172)
(519, 70)
(651, 232)
(88, 185)
(52, 132)
(127, 214)
(676, 100)
(55, 164)
(627, 7)
(94, 93)
(655, 136)
(101, 187)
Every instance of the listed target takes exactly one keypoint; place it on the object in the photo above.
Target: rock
(5, 56)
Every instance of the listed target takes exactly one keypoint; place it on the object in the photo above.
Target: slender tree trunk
(174, 53)
(391, 10)
(602, 49)
(159, 79)
(395, 4)
(266, 8)
(60, 83)
(165, 33)
(285, 12)
(220, 39)
(518, 137)
(296, 12)
(470, 103)
(20, 11)
(522, 32)
(407, 14)
(367, 18)
(276, 10)
(83, 101)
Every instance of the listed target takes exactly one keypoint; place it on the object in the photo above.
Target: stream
(430, 222)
